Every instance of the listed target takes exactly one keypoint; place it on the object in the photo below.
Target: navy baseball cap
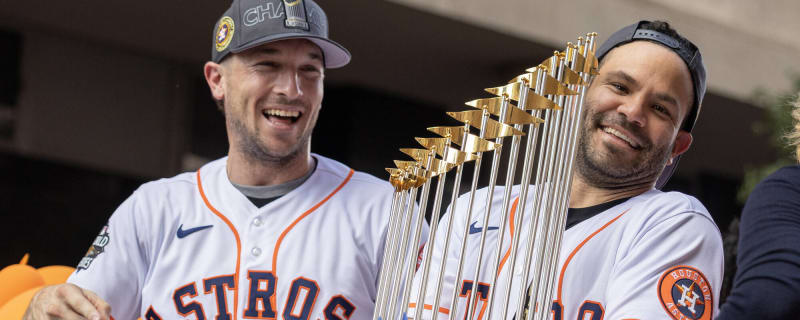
(250, 23)
(687, 51)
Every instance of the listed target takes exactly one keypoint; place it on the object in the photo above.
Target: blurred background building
(97, 97)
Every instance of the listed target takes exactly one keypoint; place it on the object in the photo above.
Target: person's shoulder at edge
(786, 176)
(780, 186)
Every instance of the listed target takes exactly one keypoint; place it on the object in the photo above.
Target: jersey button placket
(257, 222)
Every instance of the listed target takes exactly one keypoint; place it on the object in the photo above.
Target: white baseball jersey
(654, 256)
(194, 247)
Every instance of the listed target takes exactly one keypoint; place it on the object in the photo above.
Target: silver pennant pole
(389, 249)
(539, 88)
(456, 185)
(523, 196)
(468, 218)
(541, 225)
(471, 301)
(550, 260)
(547, 212)
(404, 246)
(495, 271)
(411, 267)
(437, 204)
(576, 128)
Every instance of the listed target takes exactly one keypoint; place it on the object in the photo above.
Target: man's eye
(661, 109)
(619, 87)
(269, 64)
(310, 69)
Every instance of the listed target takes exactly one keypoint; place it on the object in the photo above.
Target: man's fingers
(62, 312)
(101, 305)
(78, 302)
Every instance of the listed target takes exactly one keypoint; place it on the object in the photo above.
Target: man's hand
(67, 301)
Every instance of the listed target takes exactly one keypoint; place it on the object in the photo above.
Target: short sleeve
(115, 265)
(675, 266)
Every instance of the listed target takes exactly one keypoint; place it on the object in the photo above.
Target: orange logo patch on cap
(686, 294)
(225, 30)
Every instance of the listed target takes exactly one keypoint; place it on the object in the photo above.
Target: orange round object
(15, 279)
(55, 274)
(15, 308)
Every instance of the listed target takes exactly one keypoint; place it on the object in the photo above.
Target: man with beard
(269, 231)
(629, 250)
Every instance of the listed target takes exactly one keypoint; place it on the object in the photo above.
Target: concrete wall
(745, 44)
(95, 106)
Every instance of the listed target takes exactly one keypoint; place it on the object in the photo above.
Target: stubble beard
(600, 168)
(256, 151)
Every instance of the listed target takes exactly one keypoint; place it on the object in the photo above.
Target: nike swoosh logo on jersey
(474, 230)
(183, 233)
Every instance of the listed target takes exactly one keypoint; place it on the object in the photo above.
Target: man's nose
(288, 84)
(635, 111)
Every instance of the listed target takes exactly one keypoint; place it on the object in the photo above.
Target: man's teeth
(620, 135)
(283, 113)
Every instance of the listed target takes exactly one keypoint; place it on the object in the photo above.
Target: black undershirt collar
(578, 215)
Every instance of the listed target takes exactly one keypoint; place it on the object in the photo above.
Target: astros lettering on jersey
(194, 247)
(654, 256)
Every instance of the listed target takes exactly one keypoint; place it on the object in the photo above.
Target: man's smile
(281, 117)
(631, 142)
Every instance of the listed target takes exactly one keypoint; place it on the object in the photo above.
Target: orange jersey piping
(578, 248)
(296, 221)
(238, 245)
(511, 234)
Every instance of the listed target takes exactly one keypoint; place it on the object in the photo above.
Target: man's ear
(213, 73)
(682, 142)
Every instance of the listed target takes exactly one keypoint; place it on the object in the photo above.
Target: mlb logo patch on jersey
(98, 247)
(685, 293)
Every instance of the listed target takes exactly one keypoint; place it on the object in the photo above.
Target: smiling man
(269, 231)
(629, 250)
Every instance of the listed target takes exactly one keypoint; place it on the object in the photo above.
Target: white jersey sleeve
(116, 263)
(672, 267)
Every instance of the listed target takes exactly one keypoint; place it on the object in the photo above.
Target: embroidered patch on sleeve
(97, 247)
(686, 294)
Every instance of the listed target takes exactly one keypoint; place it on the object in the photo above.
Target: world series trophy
(545, 106)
